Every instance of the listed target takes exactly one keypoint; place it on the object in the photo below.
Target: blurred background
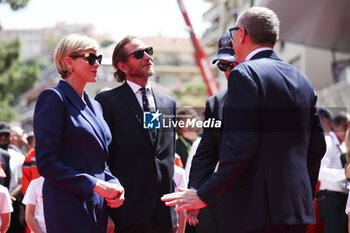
(314, 37)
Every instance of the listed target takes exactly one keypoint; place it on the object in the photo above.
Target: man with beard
(143, 159)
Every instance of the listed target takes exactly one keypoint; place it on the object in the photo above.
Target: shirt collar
(136, 87)
(334, 137)
(258, 50)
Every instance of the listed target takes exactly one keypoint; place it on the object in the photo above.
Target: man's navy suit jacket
(272, 142)
(145, 169)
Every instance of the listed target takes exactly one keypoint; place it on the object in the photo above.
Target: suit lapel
(131, 101)
(96, 122)
(88, 115)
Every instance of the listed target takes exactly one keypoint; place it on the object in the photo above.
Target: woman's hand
(116, 202)
(108, 190)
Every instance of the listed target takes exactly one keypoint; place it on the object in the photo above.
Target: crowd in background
(17, 154)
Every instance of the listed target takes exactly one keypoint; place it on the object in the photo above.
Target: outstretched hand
(185, 199)
(191, 216)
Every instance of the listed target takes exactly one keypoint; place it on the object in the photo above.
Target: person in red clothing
(29, 169)
(318, 227)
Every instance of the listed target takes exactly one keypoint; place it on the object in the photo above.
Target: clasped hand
(113, 193)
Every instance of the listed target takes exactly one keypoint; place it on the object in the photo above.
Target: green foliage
(15, 4)
(7, 112)
(106, 43)
(193, 94)
(195, 88)
(9, 52)
(194, 101)
(41, 62)
(16, 77)
(12, 81)
(21, 77)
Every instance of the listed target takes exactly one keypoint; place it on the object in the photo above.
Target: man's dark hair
(119, 55)
(340, 118)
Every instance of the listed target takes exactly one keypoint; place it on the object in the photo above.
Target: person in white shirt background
(333, 191)
(33, 199)
(181, 182)
(347, 170)
(5, 205)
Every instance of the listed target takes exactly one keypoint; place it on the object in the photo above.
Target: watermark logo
(151, 120)
(157, 120)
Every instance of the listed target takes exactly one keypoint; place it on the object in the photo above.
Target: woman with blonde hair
(72, 142)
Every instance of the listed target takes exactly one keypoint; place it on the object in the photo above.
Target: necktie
(145, 104)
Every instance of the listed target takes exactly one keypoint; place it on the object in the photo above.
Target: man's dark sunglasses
(90, 57)
(223, 66)
(139, 53)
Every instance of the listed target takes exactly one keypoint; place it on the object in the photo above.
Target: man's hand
(185, 199)
(108, 190)
(191, 216)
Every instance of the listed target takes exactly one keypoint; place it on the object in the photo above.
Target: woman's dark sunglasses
(139, 53)
(90, 57)
(223, 66)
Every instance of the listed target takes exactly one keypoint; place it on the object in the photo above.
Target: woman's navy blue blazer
(72, 142)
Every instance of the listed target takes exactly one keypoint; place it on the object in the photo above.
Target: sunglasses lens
(149, 51)
(139, 54)
(92, 58)
(222, 67)
(99, 59)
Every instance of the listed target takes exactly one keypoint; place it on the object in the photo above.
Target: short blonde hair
(70, 45)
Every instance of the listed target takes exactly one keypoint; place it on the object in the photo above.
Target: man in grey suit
(142, 158)
(272, 140)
